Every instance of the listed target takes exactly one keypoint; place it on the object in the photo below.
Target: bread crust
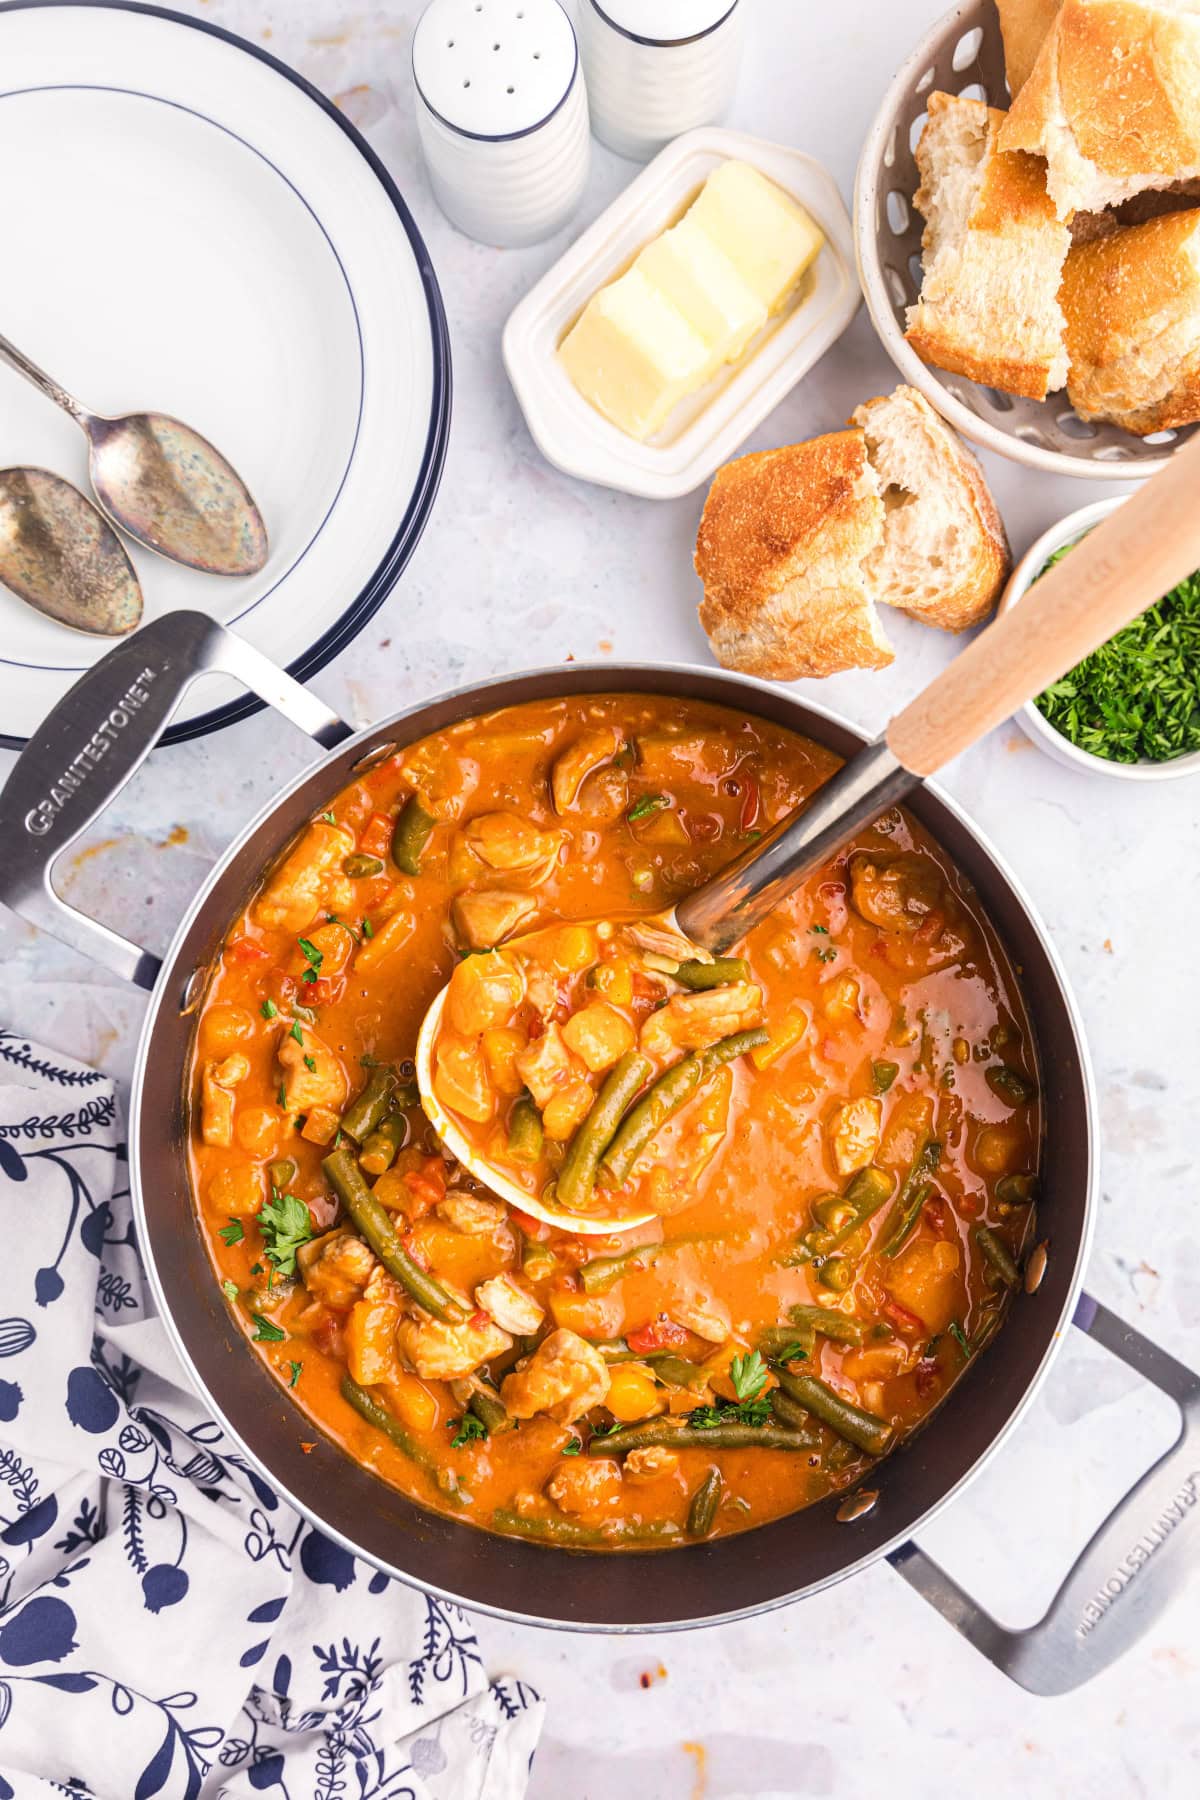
(1112, 102)
(964, 489)
(991, 283)
(1024, 25)
(780, 549)
(1132, 306)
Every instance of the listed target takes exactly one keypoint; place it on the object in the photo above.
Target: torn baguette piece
(1024, 26)
(1132, 306)
(993, 255)
(1112, 102)
(796, 546)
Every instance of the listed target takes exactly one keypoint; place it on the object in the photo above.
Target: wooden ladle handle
(1126, 563)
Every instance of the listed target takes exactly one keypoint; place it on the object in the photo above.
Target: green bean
(672, 1090)
(883, 1074)
(369, 1408)
(865, 1429)
(577, 1177)
(410, 835)
(282, 1173)
(584, 1537)
(525, 1136)
(488, 1408)
(349, 1184)
(358, 866)
(702, 1512)
(838, 1327)
(380, 1148)
(914, 1191)
(538, 1262)
(1009, 1084)
(836, 1273)
(867, 1192)
(676, 1371)
(604, 1272)
(1016, 1190)
(717, 973)
(671, 1434)
(773, 1340)
(366, 1112)
(997, 1253)
(792, 1416)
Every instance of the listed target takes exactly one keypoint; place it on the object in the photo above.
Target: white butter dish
(709, 426)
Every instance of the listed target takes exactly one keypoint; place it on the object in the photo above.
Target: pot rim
(166, 986)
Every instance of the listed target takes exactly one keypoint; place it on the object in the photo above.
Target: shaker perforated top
(494, 68)
(663, 21)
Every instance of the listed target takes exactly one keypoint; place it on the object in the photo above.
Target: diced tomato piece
(375, 838)
(903, 1320)
(530, 1228)
(936, 1215)
(751, 803)
(327, 1335)
(282, 986)
(427, 1192)
(925, 1376)
(661, 1334)
(322, 991)
(244, 950)
(479, 1319)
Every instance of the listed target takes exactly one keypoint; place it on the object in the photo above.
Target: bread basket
(963, 54)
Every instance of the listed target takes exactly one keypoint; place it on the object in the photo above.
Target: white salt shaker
(502, 116)
(655, 68)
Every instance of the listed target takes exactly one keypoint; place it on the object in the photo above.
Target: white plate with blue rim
(190, 227)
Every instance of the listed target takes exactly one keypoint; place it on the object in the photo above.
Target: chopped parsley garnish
(826, 956)
(329, 818)
(1138, 695)
(310, 1063)
(750, 1412)
(649, 803)
(295, 1367)
(233, 1233)
(285, 1223)
(268, 1332)
(313, 957)
(466, 1430)
(793, 1352)
(256, 1268)
(230, 1290)
(368, 930)
(749, 1375)
(573, 1448)
(268, 1009)
(281, 1095)
(960, 1337)
(821, 930)
(296, 1032)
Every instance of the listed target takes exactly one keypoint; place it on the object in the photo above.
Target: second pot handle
(1132, 1567)
(96, 738)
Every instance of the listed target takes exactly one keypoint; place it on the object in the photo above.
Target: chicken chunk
(486, 918)
(511, 1305)
(507, 842)
(297, 890)
(896, 891)
(579, 760)
(470, 1213)
(336, 1268)
(443, 1352)
(586, 1486)
(854, 1133)
(694, 1021)
(663, 939)
(546, 1066)
(650, 1463)
(216, 1098)
(312, 1073)
(565, 1377)
(707, 1316)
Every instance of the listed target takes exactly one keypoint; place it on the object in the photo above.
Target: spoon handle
(46, 384)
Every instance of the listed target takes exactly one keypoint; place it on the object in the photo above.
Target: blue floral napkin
(167, 1625)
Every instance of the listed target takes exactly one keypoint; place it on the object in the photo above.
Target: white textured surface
(862, 1690)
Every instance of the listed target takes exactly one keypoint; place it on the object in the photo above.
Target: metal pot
(83, 755)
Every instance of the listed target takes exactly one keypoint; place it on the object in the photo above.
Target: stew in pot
(836, 1130)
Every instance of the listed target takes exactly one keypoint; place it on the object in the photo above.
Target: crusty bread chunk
(1024, 25)
(988, 307)
(943, 555)
(796, 546)
(1113, 101)
(1132, 305)
(780, 552)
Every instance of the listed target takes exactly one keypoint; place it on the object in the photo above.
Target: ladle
(1125, 564)
(163, 483)
(61, 556)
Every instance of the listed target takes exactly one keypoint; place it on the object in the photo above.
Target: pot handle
(96, 738)
(1132, 1567)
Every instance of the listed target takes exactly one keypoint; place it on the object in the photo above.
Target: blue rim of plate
(408, 533)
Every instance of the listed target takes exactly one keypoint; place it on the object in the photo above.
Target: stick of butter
(692, 300)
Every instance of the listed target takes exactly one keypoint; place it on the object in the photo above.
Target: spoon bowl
(60, 555)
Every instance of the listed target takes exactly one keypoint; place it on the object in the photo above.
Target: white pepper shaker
(502, 116)
(656, 68)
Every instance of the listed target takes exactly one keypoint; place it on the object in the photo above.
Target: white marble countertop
(521, 565)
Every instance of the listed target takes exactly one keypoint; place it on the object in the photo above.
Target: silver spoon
(163, 483)
(60, 555)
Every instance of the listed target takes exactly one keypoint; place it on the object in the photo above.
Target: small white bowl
(1032, 722)
(708, 427)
